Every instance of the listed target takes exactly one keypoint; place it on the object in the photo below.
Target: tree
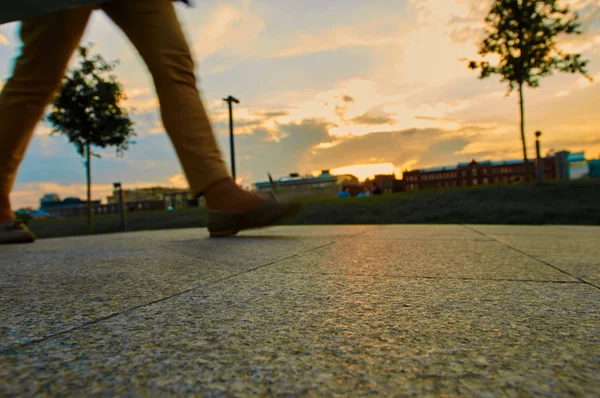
(523, 34)
(87, 110)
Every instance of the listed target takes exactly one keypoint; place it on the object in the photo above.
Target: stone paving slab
(426, 232)
(267, 333)
(142, 240)
(461, 258)
(302, 311)
(560, 231)
(41, 298)
(58, 284)
(251, 250)
(579, 257)
(572, 249)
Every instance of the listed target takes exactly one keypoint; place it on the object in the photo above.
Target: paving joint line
(436, 277)
(163, 299)
(129, 310)
(465, 278)
(535, 258)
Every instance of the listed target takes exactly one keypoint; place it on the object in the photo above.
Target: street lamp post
(229, 101)
(119, 191)
(540, 170)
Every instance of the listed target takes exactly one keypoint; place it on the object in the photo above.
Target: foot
(267, 213)
(15, 232)
(231, 209)
(227, 196)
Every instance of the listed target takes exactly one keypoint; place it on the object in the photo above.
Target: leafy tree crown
(87, 109)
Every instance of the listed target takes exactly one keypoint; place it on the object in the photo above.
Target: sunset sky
(352, 86)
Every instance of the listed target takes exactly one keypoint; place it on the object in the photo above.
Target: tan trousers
(49, 42)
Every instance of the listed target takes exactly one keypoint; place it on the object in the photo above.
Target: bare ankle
(226, 195)
(215, 192)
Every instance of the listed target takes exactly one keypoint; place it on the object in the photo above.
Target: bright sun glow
(364, 171)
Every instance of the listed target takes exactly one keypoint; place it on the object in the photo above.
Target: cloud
(335, 38)
(258, 154)
(43, 129)
(229, 29)
(178, 181)
(424, 147)
(134, 92)
(581, 44)
(355, 107)
(140, 99)
(581, 83)
(371, 119)
(147, 122)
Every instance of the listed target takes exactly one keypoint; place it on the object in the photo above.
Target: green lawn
(568, 202)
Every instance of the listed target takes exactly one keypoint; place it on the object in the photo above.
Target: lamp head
(232, 99)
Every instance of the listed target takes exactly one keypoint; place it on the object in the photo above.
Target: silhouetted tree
(87, 110)
(523, 34)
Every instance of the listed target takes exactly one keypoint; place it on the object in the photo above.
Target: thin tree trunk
(88, 167)
(522, 110)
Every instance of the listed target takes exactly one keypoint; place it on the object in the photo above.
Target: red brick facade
(474, 173)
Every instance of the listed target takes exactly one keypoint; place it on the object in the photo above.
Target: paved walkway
(305, 311)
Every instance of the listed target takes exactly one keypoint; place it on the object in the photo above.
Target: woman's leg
(48, 43)
(153, 28)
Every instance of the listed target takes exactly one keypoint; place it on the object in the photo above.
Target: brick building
(387, 182)
(477, 173)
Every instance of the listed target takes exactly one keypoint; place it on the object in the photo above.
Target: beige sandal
(269, 212)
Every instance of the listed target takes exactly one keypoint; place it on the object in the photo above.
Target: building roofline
(467, 164)
(303, 181)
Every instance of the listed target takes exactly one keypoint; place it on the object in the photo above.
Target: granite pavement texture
(398, 310)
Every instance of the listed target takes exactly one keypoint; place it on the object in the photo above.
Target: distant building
(571, 165)
(52, 205)
(144, 194)
(594, 168)
(34, 213)
(387, 183)
(296, 187)
(104, 209)
(131, 207)
(49, 198)
(172, 197)
(477, 173)
(180, 199)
